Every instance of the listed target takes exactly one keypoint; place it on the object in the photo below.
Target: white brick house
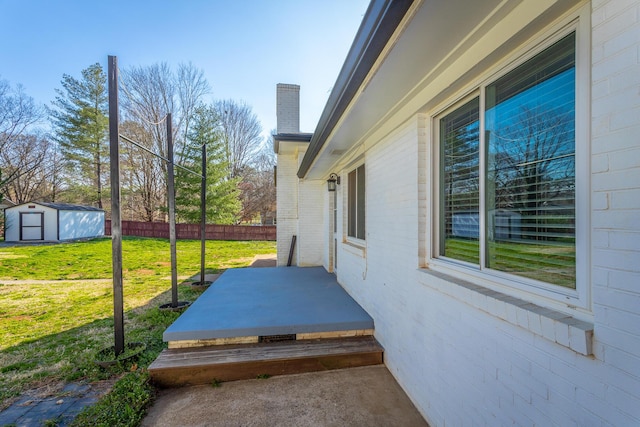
(487, 214)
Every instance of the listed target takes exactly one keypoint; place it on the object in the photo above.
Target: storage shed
(52, 222)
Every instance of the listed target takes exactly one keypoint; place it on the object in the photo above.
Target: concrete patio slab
(270, 301)
(367, 396)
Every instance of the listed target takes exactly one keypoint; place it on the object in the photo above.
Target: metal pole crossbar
(130, 141)
(116, 222)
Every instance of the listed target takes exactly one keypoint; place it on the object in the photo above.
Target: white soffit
(436, 29)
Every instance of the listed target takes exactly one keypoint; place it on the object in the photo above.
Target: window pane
(360, 203)
(459, 201)
(530, 130)
(351, 208)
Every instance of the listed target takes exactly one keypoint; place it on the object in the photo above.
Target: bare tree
(241, 133)
(18, 112)
(52, 167)
(18, 115)
(142, 175)
(192, 87)
(258, 188)
(148, 94)
(24, 167)
(534, 169)
(153, 91)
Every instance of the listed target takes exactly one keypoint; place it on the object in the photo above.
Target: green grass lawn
(546, 262)
(56, 304)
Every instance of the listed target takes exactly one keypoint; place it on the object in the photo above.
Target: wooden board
(334, 334)
(212, 341)
(192, 366)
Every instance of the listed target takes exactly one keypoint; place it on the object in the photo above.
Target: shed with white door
(41, 221)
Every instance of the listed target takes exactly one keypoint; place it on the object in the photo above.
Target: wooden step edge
(192, 357)
(208, 374)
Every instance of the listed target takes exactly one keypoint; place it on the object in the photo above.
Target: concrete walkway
(367, 396)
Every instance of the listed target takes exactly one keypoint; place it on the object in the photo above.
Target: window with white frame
(355, 203)
(506, 196)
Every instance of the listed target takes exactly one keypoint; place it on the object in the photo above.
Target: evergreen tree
(81, 124)
(223, 202)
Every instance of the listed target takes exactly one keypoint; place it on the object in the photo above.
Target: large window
(356, 201)
(507, 172)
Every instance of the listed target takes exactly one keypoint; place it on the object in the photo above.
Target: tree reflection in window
(530, 131)
(527, 142)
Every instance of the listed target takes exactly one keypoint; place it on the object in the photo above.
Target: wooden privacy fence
(192, 231)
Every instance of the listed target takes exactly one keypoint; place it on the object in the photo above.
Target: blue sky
(244, 47)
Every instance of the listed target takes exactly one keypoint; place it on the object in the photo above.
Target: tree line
(68, 160)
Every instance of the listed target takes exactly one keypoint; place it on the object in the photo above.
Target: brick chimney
(288, 108)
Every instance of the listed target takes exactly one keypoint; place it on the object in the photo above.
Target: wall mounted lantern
(333, 181)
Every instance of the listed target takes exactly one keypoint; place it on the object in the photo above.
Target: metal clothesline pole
(203, 213)
(116, 223)
(203, 197)
(171, 196)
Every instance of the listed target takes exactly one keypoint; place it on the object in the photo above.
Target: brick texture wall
(311, 224)
(288, 108)
(460, 363)
(465, 366)
(615, 214)
(287, 204)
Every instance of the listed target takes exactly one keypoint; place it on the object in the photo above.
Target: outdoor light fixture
(333, 181)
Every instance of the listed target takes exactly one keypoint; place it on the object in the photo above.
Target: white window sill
(355, 247)
(551, 324)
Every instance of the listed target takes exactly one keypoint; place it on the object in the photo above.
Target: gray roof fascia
(378, 25)
(296, 137)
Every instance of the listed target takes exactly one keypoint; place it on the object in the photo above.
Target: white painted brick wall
(287, 204)
(615, 188)
(288, 108)
(464, 366)
(300, 211)
(311, 225)
(468, 358)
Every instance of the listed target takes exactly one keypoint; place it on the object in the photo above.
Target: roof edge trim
(298, 137)
(378, 25)
(289, 137)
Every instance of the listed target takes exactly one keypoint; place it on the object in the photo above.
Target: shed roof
(62, 206)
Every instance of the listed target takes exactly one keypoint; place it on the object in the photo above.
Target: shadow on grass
(50, 361)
